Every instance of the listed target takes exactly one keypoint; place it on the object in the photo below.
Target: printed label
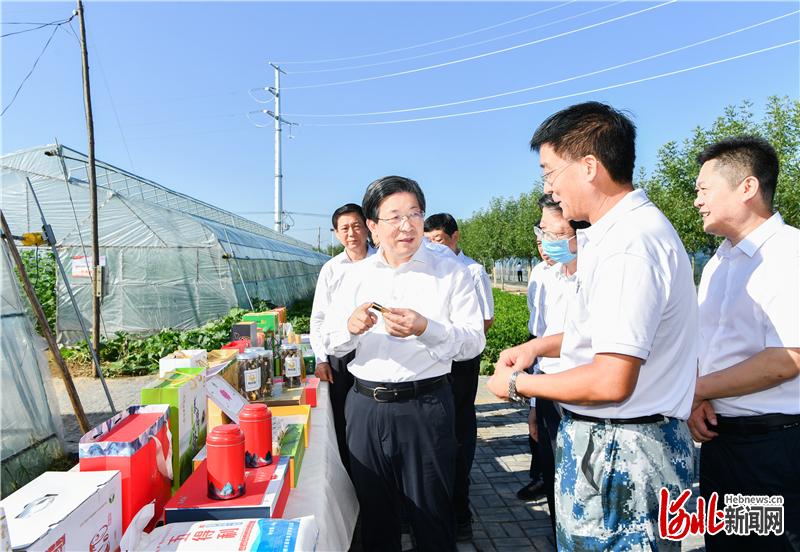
(292, 367)
(252, 380)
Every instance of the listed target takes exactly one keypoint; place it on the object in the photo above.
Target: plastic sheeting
(169, 261)
(30, 433)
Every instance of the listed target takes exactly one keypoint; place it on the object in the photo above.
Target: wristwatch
(512, 388)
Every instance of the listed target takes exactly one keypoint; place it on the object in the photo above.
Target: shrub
(510, 327)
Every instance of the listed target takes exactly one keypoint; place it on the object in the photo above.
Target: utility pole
(92, 176)
(276, 91)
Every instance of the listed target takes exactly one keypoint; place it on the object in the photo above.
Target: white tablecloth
(324, 490)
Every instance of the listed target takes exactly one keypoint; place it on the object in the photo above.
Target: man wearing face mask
(557, 236)
(350, 227)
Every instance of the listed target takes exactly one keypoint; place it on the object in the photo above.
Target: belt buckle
(375, 394)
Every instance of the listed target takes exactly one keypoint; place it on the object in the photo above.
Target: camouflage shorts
(608, 478)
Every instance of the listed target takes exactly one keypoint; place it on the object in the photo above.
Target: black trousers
(548, 418)
(464, 380)
(402, 457)
(342, 383)
(766, 464)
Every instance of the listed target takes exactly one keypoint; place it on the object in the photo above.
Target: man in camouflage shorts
(628, 351)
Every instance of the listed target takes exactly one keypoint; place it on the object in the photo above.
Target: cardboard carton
(293, 445)
(311, 385)
(266, 491)
(224, 402)
(266, 321)
(187, 358)
(184, 391)
(61, 511)
(295, 414)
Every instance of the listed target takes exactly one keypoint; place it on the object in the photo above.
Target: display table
(324, 489)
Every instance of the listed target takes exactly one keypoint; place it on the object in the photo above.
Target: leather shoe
(532, 490)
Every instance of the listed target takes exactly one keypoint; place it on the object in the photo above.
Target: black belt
(652, 419)
(756, 425)
(399, 391)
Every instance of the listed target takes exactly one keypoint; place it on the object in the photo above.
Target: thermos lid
(254, 412)
(224, 435)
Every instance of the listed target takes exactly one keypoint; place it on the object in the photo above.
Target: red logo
(675, 523)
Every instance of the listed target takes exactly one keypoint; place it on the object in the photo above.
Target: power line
(40, 26)
(560, 81)
(35, 63)
(565, 96)
(455, 48)
(430, 43)
(486, 54)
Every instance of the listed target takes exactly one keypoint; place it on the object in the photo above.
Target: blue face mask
(558, 250)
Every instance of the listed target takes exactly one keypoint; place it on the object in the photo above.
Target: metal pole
(278, 173)
(91, 172)
(77, 407)
(51, 239)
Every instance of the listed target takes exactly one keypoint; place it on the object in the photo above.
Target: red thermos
(225, 462)
(255, 419)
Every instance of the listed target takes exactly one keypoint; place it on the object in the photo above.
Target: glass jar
(265, 366)
(292, 364)
(249, 375)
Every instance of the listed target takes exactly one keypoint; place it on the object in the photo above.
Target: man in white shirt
(350, 228)
(519, 272)
(629, 344)
(747, 400)
(442, 228)
(408, 312)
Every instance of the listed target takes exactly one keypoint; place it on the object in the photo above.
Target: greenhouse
(168, 260)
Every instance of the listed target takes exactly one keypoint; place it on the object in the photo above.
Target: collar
(421, 255)
(346, 258)
(632, 200)
(755, 239)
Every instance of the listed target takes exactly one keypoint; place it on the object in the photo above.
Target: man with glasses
(442, 228)
(408, 312)
(628, 350)
(350, 227)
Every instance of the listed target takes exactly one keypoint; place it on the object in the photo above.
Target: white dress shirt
(436, 286)
(330, 276)
(541, 274)
(560, 288)
(635, 296)
(749, 299)
(483, 286)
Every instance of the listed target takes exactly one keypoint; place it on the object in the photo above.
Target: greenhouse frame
(169, 260)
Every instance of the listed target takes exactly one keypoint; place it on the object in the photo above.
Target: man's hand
(533, 429)
(498, 383)
(404, 322)
(698, 422)
(324, 372)
(361, 320)
(518, 358)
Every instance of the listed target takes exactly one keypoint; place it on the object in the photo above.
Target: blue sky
(170, 86)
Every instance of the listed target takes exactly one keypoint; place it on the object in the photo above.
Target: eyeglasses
(397, 221)
(549, 236)
(550, 176)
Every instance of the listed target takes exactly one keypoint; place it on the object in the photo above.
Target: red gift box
(136, 442)
(266, 491)
(240, 345)
(312, 384)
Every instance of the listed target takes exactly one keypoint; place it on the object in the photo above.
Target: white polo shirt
(330, 276)
(483, 286)
(635, 296)
(560, 288)
(436, 286)
(749, 299)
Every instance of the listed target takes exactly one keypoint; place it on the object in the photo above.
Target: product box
(137, 443)
(293, 445)
(287, 396)
(187, 358)
(311, 386)
(224, 402)
(240, 535)
(185, 393)
(266, 491)
(281, 313)
(60, 511)
(295, 414)
(245, 330)
(239, 345)
(268, 321)
(199, 458)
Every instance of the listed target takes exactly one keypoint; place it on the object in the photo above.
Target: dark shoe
(464, 531)
(532, 490)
